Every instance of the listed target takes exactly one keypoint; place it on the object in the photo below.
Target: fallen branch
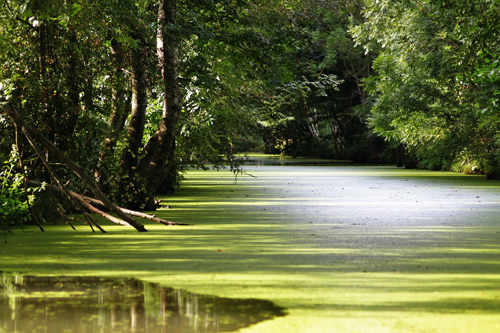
(100, 212)
(136, 213)
(29, 131)
(151, 217)
(91, 202)
(61, 187)
(67, 219)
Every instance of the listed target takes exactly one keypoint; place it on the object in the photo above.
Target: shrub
(14, 198)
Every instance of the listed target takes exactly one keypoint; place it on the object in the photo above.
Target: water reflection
(90, 304)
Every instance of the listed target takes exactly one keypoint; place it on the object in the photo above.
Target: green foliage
(14, 198)
(436, 82)
(290, 65)
(295, 116)
(220, 61)
(312, 78)
(52, 82)
(487, 77)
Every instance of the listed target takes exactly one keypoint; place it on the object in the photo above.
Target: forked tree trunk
(152, 167)
(145, 169)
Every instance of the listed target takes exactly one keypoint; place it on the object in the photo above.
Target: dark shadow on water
(91, 304)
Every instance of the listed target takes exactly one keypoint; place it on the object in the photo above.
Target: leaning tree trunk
(153, 165)
(34, 136)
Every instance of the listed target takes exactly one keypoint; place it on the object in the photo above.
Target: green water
(91, 304)
(341, 248)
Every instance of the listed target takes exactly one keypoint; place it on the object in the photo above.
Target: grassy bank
(343, 249)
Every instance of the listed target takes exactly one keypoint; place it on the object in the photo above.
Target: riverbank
(344, 249)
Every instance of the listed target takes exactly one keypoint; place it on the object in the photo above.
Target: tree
(56, 96)
(133, 91)
(312, 78)
(89, 79)
(429, 84)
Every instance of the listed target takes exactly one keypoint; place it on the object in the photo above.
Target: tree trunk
(401, 152)
(69, 111)
(152, 166)
(117, 117)
(338, 137)
(133, 195)
(48, 116)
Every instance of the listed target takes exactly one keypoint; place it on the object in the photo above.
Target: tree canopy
(436, 82)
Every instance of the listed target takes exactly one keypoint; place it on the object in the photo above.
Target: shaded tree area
(314, 99)
(98, 85)
(120, 97)
(437, 80)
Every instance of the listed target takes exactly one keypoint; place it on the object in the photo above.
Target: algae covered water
(342, 249)
(91, 304)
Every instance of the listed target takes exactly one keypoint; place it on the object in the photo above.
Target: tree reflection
(91, 304)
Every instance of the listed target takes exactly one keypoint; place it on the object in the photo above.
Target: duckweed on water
(341, 248)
